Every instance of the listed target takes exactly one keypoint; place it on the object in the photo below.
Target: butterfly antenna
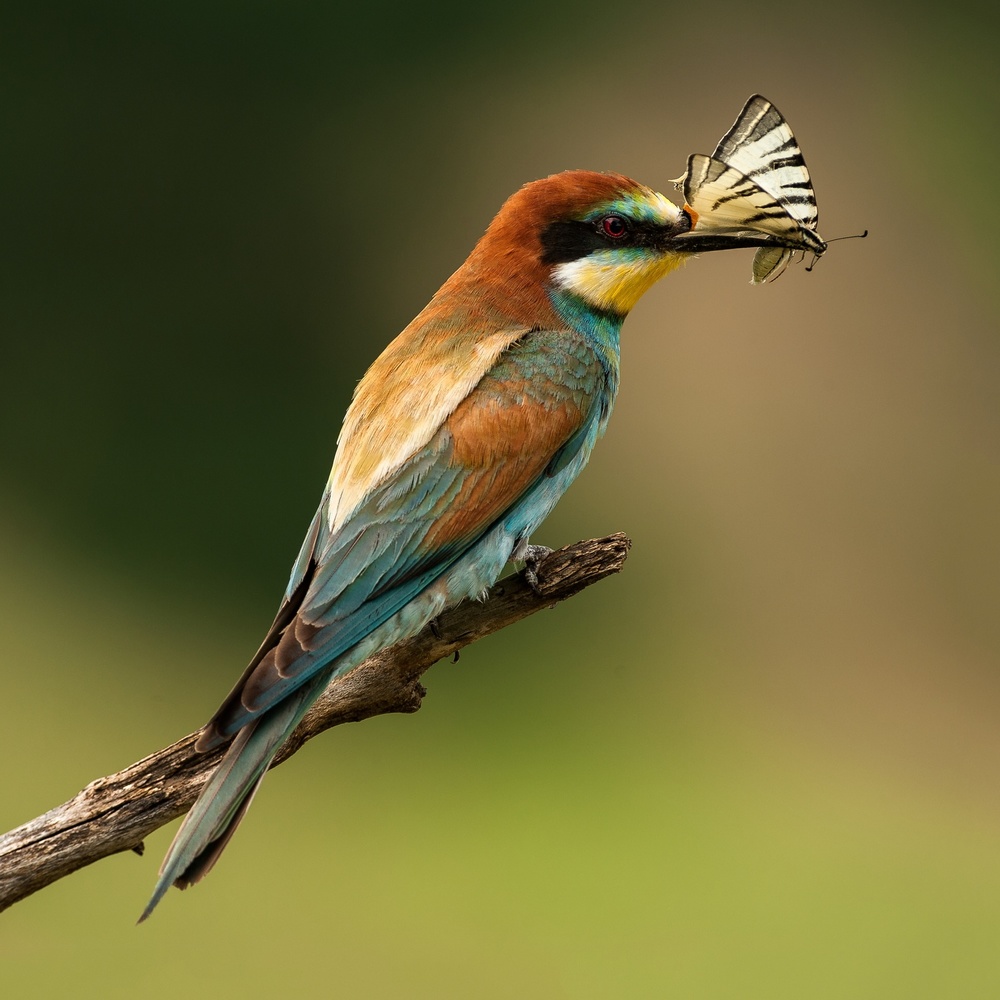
(854, 236)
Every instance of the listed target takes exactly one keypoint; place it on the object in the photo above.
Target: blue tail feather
(227, 794)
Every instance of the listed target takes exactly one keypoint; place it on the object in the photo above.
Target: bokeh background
(764, 761)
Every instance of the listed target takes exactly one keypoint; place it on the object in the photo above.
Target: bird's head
(602, 238)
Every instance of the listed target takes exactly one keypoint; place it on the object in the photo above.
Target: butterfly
(754, 190)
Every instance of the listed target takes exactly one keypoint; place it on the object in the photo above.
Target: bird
(458, 441)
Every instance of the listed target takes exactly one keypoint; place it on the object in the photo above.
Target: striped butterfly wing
(726, 199)
(757, 180)
(769, 262)
(760, 145)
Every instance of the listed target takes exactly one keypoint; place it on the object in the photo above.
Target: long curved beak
(705, 243)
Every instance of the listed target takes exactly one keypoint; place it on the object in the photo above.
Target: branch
(113, 814)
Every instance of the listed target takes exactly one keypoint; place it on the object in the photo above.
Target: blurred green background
(762, 762)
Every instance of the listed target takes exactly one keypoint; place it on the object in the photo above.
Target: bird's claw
(532, 556)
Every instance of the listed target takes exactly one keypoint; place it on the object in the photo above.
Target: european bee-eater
(459, 440)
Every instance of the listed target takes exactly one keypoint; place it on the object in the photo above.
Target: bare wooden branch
(114, 813)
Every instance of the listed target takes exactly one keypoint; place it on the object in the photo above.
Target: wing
(769, 263)
(510, 432)
(726, 199)
(761, 146)
(756, 181)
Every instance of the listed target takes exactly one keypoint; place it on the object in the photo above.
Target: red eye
(614, 226)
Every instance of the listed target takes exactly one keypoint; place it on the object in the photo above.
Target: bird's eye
(614, 226)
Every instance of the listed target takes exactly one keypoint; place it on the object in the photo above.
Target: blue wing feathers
(376, 562)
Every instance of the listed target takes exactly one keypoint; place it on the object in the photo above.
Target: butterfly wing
(769, 262)
(756, 181)
(724, 198)
(761, 146)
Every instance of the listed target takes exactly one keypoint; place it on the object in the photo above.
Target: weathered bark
(114, 813)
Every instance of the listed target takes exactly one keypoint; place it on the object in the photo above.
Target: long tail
(227, 795)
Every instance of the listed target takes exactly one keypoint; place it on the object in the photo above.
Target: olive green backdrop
(761, 763)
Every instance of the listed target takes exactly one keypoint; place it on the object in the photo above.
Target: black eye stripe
(569, 240)
(566, 241)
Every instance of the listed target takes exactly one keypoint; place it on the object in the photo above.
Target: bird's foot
(532, 556)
